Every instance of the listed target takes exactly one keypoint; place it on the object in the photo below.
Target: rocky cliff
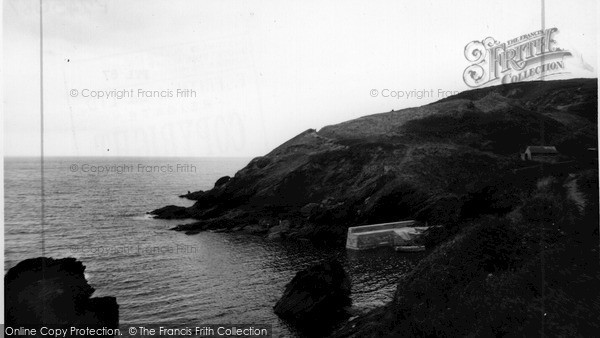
(438, 163)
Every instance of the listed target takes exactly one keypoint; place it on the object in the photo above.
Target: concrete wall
(381, 226)
(375, 239)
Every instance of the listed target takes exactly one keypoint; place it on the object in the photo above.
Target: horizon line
(129, 156)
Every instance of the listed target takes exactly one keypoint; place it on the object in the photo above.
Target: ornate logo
(527, 57)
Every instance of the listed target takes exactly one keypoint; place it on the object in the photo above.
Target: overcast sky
(262, 71)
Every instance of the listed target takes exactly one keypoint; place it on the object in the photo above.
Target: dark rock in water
(194, 196)
(222, 181)
(171, 212)
(55, 292)
(316, 296)
(279, 230)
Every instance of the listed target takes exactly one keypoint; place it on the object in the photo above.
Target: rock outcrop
(316, 296)
(55, 292)
(171, 212)
(433, 163)
(222, 181)
(280, 230)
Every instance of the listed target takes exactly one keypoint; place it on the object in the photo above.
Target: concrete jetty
(394, 234)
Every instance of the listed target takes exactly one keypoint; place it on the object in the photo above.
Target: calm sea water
(162, 276)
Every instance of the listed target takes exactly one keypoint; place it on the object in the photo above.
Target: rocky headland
(440, 163)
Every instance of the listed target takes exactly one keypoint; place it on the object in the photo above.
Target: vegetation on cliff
(532, 272)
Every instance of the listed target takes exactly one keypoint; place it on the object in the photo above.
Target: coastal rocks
(222, 181)
(171, 212)
(316, 295)
(260, 228)
(280, 230)
(254, 229)
(54, 291)
(194, 196)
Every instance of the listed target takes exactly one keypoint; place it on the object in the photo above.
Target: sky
(256, 73)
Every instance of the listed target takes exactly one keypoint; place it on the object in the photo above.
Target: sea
(95, 209)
